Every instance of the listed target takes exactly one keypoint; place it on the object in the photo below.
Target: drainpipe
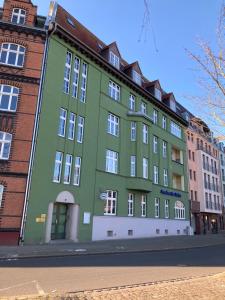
(52, 28)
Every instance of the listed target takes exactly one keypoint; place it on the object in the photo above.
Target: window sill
(12, 66)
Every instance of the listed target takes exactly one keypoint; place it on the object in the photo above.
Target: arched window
(12, 54)
(8, 97)
(179, 210)
(1, 194)
(18, 16)
(5, 145)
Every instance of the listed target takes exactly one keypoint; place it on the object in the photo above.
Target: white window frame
(136, 77)
(67, 72)
(145, 133)
(110, 203)
(76, 71)
(58, 167)
(167, 211)
(164, 122)
(133, 131)
(179, 210)
(1, 193)
(143, 206)
(133, 166)
(114, 90)
(19, 52)
(156, 174)
(68, 168)
(132, 102)
(155, 144)
(5, 145)
(80, 129)
(158, 94)
(114, 60)
(83, 88)
(155, 116)
(164, 152)
(165, 177)
(175, 129)
(143, 108)
(12, 96)
(72, 125)
(77, 171)
(113, 125)
(130, 205)
(145, 168)
(112, 158)
(157, 207)
(20, 15)
(62, 122)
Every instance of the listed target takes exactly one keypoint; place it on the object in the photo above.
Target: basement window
(109, 233)
(130, 232)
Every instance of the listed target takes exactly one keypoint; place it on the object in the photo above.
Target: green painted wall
(94, 179)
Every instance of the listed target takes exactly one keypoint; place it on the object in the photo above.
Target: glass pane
(12, 59)
(4, 102)
(6, 150)
(7, 89)
(13, 47)
(13, 103)
(3, 57)
(20, 60)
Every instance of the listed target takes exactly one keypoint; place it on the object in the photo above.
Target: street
(77, 273)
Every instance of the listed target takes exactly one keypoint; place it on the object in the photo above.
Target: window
(132, 101)
(193, 156)
(196, 196)
(156, 207)
(165, 177)
(133, 166)
(158, 94)
(8, 97)
(5, 145)
(62, 122)
(58, 166)
(76, 71)
(166, 209)
(179, 210)
(175, 129)
(80, 130)
(114, 60)
(155, 144)
(145, 133)
(194, 175)
(136, 77)
(155, 116)
(67, 71)
(130, 205)
(110, 203)
(18, 16)
(83, 83)
(77, 170)
(133, 131)
(190, 173)
(68, 167)
(145, 168)
(164, 149)
(206, 200)
(12, 54)
(164, 121)
(71, 131)
(156, 174)
(111, 161)
(143, 108)
(114, 91)
(189, 154)
(1, 194)
(113, 125)
(143, 205)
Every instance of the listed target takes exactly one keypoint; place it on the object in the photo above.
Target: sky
(174, 25)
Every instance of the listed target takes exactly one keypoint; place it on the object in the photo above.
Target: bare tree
(212, 63)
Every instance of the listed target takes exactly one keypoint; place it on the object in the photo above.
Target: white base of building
(110, 227)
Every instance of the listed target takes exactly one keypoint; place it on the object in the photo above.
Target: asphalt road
(86, 272)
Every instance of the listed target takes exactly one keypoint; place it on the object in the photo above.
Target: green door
(59, 221)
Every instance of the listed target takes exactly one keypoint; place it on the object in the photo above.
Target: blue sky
(177, 24)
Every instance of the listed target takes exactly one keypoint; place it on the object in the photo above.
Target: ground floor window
(179, 210)
(110, 203)
(143, 205)
(1, 194)
(130, 205)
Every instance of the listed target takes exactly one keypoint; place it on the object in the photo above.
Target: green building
(110, 154)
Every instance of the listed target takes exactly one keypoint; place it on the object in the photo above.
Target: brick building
(22, 44)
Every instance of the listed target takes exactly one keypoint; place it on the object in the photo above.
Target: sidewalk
(62, 248)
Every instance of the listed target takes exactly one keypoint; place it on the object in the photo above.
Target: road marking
(41, 292)
(17, 285)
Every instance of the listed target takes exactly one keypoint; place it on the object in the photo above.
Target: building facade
(204, 179)
(22, 40)
(110, 158)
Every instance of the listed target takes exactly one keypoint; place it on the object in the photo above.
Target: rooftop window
(114, 60)
(18, 16)
(136, 77)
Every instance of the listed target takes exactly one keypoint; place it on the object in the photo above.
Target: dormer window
(12, 54)
(136, 77)
(158, 94)
(18, 16)
(173, 104)
(114, 60)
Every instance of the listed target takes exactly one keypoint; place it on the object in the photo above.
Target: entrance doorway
(59, 220)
